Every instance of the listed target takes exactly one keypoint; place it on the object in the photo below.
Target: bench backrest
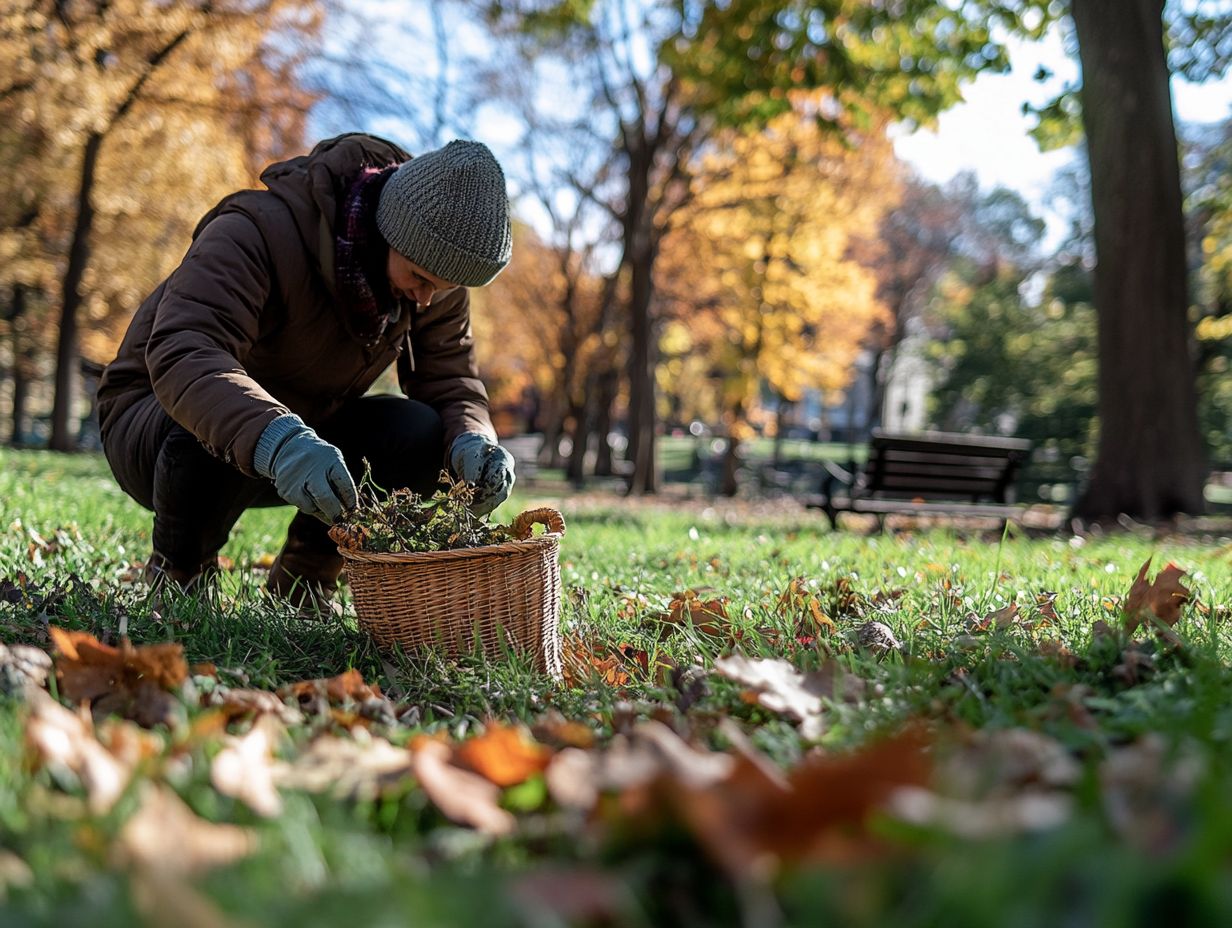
(943, 465)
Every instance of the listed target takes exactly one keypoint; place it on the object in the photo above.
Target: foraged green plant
(402, 521)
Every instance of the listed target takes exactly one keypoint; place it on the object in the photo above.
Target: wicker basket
(502, 596)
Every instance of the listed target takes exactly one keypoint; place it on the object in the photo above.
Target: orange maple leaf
(755, 820)
(130, 681)
(347, 686)
(504, 754)
(1162, 598)
(708, 616)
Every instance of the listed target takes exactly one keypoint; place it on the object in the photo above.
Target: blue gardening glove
(307, 472)
(477, 460)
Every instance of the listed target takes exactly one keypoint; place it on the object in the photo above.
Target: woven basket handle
(523, 525)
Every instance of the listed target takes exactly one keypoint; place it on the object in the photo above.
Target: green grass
(396, 861)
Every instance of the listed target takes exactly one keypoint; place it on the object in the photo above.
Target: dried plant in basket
(402, 521)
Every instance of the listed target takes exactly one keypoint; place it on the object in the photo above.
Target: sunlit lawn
(1153, 845)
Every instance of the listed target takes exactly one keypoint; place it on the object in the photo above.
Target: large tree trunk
(1149, 462)
(609, 383)
(21, 363)
(639, 256)
(63, 434)
(579, 436)
(645, 478)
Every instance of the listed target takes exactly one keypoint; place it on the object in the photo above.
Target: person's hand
(308, 473)
(486, 465)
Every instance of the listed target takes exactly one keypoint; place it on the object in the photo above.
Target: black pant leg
(198, 499)
(403, 440)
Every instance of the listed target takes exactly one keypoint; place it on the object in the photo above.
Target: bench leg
(832, 515)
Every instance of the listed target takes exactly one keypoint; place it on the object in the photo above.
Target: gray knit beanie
(448, 211)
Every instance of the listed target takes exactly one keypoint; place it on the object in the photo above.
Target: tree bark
(780, 426)
(729, 480)
(579, 436)
(609, 383)
(642, 418)
(1149, 462)
(21, 373)
(63, 435)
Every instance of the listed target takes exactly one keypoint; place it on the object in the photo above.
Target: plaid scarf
(360, 254)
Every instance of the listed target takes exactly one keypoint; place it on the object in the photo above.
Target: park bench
(927, 473)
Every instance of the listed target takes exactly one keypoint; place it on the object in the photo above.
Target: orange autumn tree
(537, 327)
(759, 273)
(124, 121)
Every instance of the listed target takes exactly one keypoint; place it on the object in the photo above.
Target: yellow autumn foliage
(204, 120)
(758, 270)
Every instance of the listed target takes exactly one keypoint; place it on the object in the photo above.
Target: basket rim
(505, 548)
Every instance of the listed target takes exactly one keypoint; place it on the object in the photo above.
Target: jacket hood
(313, 186)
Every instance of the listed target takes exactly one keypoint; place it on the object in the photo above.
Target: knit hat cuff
(449, 262)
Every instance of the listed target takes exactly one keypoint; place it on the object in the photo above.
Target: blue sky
(989, 134)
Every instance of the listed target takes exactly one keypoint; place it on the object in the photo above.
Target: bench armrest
(835, 478)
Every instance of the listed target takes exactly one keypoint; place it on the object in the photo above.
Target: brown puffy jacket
(247, 328)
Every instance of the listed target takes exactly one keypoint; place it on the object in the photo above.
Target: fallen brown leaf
(571, 779)
(554, 729)
(244, 768)
(347, 686)
(504, 755)
(462, 796)
(360, 767)
(235, 703)
(130, 681)
(165, 836)
(1162, 598)
(1146, 791)
(982, 820)
(708, 616)
(800, 603)
(23, 668)
(59, 737)
(752, 821)
(777, 686)
(581, 663)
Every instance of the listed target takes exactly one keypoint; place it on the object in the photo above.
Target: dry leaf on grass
(64, 740)
(130, 681)
(235, 703)
(981, 820)
(800, 603)
(504, 755)
(346, 687)
(165, 836)
(360, 767)
(999, 619)
(777, 686)
(878, 638)
(23, 668)
(244, 768)
(1003, 762)
(554, 729)
(571, 779)
(582, 663)
(462, 796)
(708, 616)
(1146, 791)
(753, 820)
(1161, 598)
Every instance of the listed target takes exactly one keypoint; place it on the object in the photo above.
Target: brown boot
(305, 573)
